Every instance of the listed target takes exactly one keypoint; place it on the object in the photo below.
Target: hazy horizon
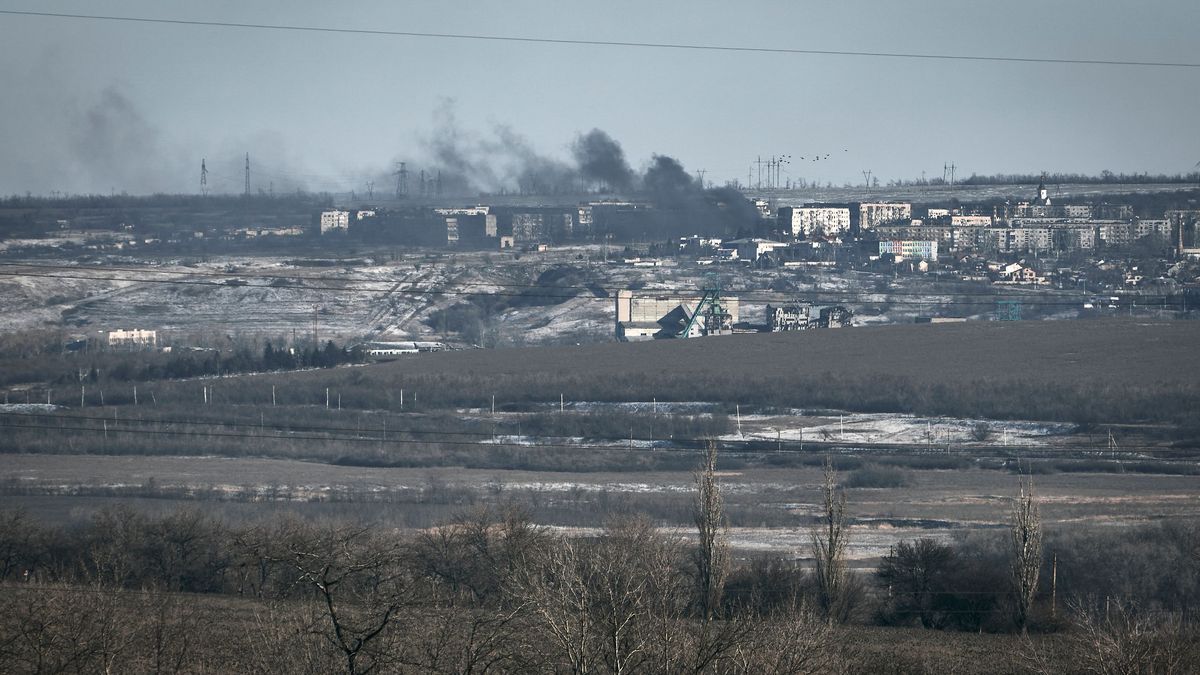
(109, 106)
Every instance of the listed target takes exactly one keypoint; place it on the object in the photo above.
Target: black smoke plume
(602, 161)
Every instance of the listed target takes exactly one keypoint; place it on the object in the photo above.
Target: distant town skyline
(97, 105)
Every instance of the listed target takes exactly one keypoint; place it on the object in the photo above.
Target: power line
(605, 43)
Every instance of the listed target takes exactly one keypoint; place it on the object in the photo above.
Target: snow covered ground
(886, 428)
(400, 298)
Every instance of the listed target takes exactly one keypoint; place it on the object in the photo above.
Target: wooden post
(82, 395)
(327, 398)
(1054, 587)
(105, 423)
(135, 394)
(101, 398)
(339, 400)
(493, 406)
(272, 396)
(402, 399)
(738, 409)
(562, 405)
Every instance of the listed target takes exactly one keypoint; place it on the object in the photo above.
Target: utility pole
(203, 178)
(247, 193)
(759, 163)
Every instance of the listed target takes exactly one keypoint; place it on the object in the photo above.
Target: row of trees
(187, 364)
(490, 591)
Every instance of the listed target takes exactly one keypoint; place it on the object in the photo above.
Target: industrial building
(646, 317)
(132, 339)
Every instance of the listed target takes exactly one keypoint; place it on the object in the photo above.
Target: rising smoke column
(684, 208)
(601, 160)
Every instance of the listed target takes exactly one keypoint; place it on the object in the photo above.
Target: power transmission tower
(371, 190)
(203, 178)
(701, 172)
(247, 174)
(401, 175)
(952, 168)
(867, 177)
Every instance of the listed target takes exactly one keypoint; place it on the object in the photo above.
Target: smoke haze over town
(327, 112)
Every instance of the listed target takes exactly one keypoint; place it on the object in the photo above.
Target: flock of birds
(818, 157)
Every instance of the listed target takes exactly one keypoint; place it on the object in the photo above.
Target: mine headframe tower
(710, 316)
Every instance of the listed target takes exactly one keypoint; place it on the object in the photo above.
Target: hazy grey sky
(90, 106)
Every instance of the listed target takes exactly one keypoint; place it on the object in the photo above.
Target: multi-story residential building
(334, 220)
(971, 221)
(805, 221)
(874, 214)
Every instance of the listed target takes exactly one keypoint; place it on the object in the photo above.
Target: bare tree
(21, 545)
(829, 540)
(286, 636)
(791, 641)
(1026, 553)
(362, 586)
(558, 587)
(447, 634)
(55, 628)
(478, 550)
(621, 593)
(712, 555)
(1118, 638)
(915, 574)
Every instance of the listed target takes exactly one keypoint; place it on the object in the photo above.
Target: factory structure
(646, 316)
(657, 316)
